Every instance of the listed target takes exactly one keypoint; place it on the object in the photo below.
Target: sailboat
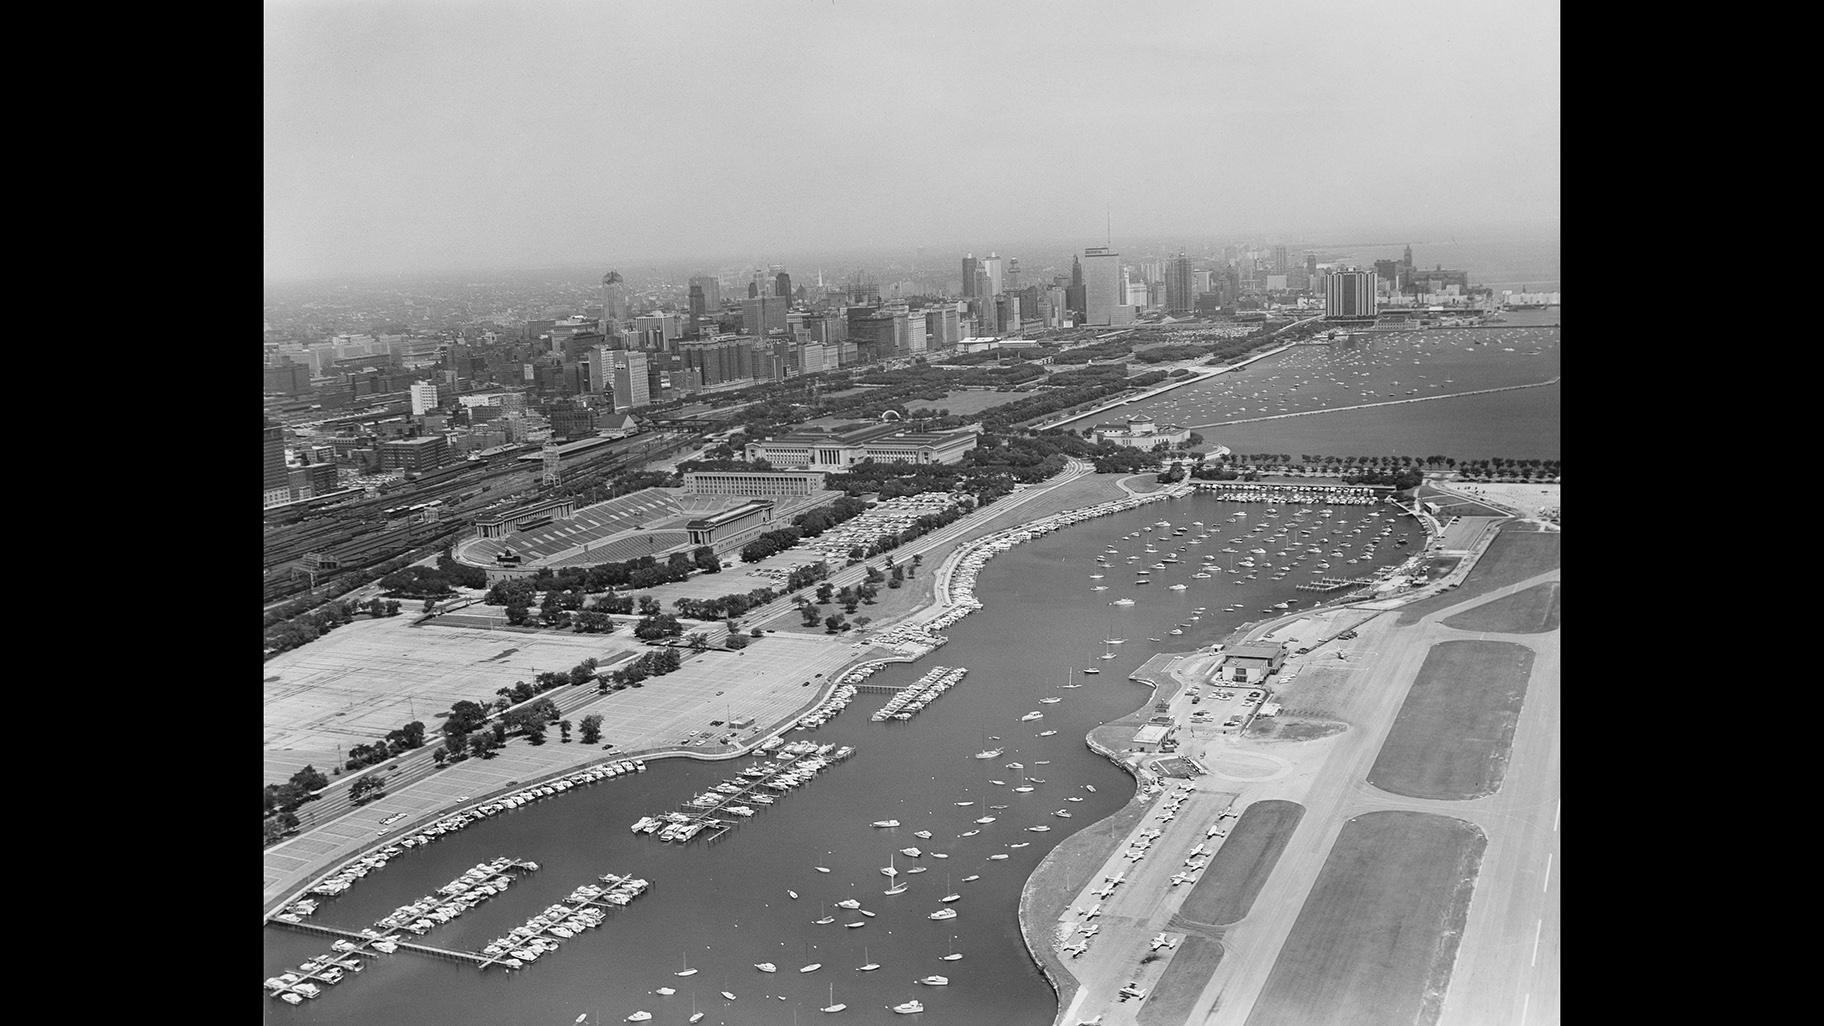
(952, 896)
(827, 918)
(1072, 679)
(898, 886)
(695, 1016)
(890, 870)
(986, 752)
(687, 970)
(869, 965)
(833, 1006)
(954, 954)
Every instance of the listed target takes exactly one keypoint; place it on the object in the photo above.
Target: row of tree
(396, 742)
(652, 664)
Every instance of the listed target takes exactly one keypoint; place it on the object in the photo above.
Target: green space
(1244, 860)
(1533, 611)
(1376, 939)
(1171, 999)
(1450, 741)
(1516, 554)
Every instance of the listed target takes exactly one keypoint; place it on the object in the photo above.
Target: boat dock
(911, 699)
(474, 886)
(585, 908)
(1329, 584)
(1329, 495)
(719, 810)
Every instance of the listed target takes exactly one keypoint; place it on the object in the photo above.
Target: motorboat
(909, 1007)
(813, 967)
(935, 981)
(1033, 715)
(886, 822)
(640, 1016)
(766, 967)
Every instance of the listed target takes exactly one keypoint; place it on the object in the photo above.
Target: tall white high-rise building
(1350, 293)
(996, 279)
(631, 388)
(424, 397)
(1102, 289)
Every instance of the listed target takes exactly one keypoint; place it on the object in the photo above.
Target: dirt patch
(1514, 556)
(1377, 938)
(1225, 892)
(1452, 736)
(1171, 999)
(1280, 728)
(1533, 611)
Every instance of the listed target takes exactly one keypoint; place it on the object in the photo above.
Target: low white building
(1141, 433)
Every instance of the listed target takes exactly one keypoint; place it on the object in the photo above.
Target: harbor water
(718, 908)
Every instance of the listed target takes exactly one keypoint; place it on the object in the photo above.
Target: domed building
(1142, 433)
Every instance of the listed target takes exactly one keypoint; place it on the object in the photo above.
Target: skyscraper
(1102, 285)
(1013, 275)
(782, 285)
(699, 303)
(1179, 297)
(631, 386)
(1280, 266)
(1350, 293)
(424, 398)
(272, 452)
(712, 290)
(614, 302)
(969, 269)
(993, 266)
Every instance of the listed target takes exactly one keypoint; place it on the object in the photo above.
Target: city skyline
(459, 138)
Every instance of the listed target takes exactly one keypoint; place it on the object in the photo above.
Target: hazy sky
(417, 136)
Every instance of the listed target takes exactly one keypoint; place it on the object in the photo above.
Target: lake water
(723, 907)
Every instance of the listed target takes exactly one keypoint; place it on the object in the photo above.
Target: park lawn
(1516, 554)
(1533, 611)
(1377, 938)
(1226, 890)
(1451, 739)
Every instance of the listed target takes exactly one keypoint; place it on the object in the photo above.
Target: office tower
(1350, 293)
(753, 289)
(1180, 296)
(1387, 274)
(1406, 261)
(1013, 275)
(761, 315)
(917, 331)
(632, 388)
(699, 303)
(969, 272)
(1102, 284)
(1076, 270)
(782, 285)
(272, 452)
(1280, 266)
(993, 266)
(614, 302)
(424, 398)
(712, 290)
(984, 285)
(1311, 265)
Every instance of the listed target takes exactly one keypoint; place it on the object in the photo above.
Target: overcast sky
(418, 136)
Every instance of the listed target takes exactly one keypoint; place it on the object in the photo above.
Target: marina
(912, 699)
(759, 784)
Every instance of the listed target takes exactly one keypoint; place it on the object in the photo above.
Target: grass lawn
(1226, 890)
(1451, 739)
(1517, 553)
(1533, 611)
(1377, 937)
(1169, 1003)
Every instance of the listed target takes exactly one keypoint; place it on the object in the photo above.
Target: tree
(563, 729)
(736, 642)
(833, 623)
(430, 605)
(649, 606)
(308, 780)
(758, 633)
(698, 641)
(592, 728)
(824, 591)
(810, 615)
(863, 621)
(535, 732)
(440, 755)
(366, 789)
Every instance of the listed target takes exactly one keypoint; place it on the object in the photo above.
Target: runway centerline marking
(1555, 811)
(1537, 930)
(1548, 872)
(1527, 1001)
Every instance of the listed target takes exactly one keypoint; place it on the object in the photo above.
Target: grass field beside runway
(1243, 861)
(1171, 999)
(1451, 739)
(1516, 554)
(1533, 611)
(1376, 939)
